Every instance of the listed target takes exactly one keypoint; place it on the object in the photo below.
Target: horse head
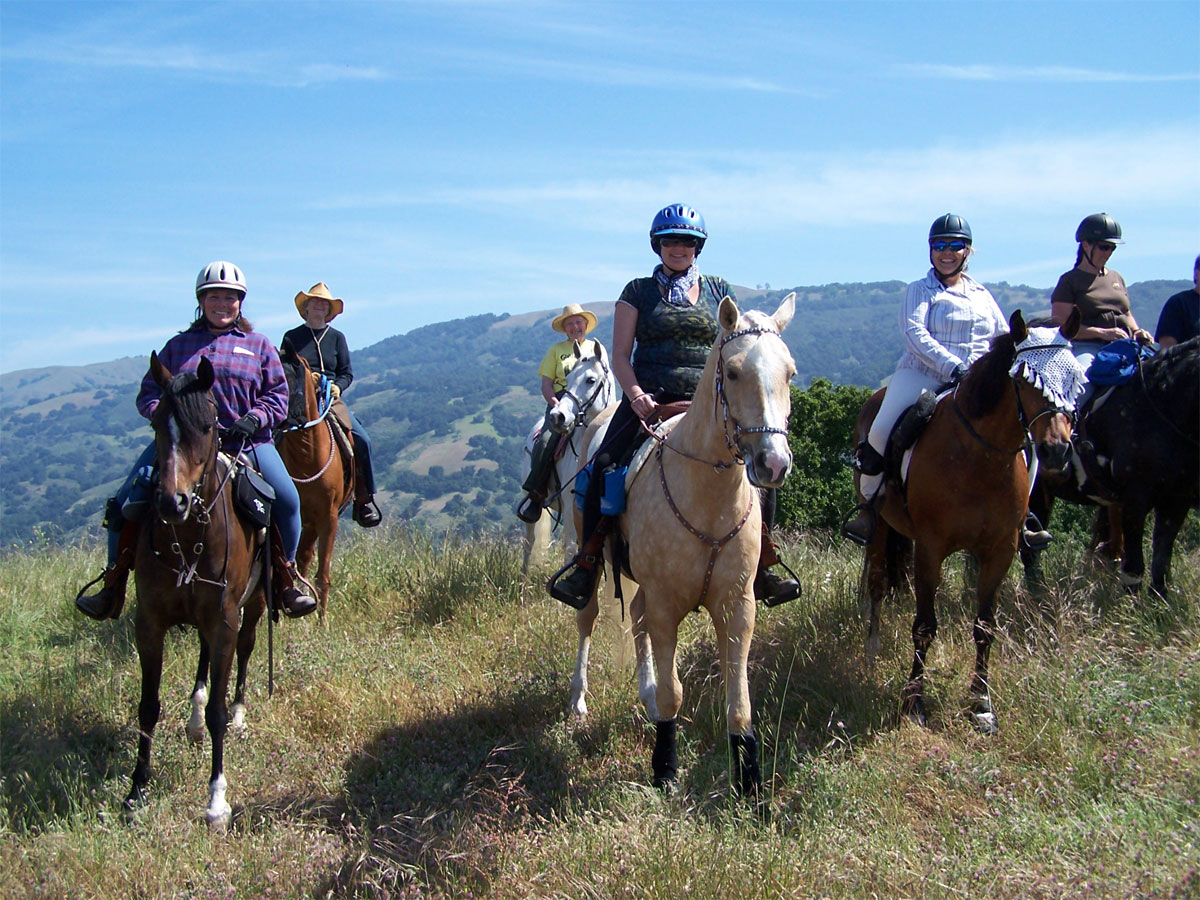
(301, 392)
(1048, 380)
(590, 388)
(754, 369)
(185, 435)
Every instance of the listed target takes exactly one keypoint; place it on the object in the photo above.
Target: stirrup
(787, 596)
(862, 540)
(529, 509)
(1033, 535)
(574, 601)
(367, 515)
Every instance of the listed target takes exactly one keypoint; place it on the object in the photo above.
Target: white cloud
(1061, 74)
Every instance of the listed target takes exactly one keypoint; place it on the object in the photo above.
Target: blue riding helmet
(678, 218)
(950, 226)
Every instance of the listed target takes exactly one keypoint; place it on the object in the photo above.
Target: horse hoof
(195, 734)
(238, 720)
(985, 723)
(219, 819)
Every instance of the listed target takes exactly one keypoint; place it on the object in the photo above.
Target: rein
(328, 462)
(325, 401)
(715, 543)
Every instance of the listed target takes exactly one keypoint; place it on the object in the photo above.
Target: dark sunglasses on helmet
(679, 240)
(956, 246)
(1106, 247)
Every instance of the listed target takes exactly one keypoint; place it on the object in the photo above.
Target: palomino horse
(195, 565)
(323, 480)
(1148, 432)
(968, 487)
(591, 389)
(693, 526)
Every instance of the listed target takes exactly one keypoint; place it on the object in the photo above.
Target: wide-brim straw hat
(574, 309)
(320, 291)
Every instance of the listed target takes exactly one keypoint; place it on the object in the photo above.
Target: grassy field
(418, 746)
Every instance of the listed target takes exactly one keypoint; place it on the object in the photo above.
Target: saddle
(905, 433)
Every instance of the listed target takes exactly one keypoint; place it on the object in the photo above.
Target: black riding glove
(245, 427)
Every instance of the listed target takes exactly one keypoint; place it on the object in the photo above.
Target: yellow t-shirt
(560, 359)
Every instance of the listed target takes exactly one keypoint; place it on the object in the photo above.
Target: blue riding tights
(285, 511)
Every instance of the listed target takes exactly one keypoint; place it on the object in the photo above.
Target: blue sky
(437, 160)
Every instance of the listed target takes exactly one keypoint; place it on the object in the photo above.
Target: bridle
(582, 406)
(200, 513)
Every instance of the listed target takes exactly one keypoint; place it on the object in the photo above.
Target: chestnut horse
(693, 527)
(195, 565)
(967, 488)
(323, 480)
(591, 389)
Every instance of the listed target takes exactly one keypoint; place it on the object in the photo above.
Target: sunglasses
(956, 246)
(678, 240)
(1107, 248)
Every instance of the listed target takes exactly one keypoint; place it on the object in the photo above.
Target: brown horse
(968, 489)
(323, 480)
(195, 565)
(693, 527)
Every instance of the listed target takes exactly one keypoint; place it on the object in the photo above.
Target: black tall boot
(576, 589)
(108, 602)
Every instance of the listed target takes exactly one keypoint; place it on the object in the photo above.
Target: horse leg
(216, 716)
(646, 674)
(928, 572)
(735, 626)
(247, 637)
(195, 725)
(1133, 528)
(669, 696)
(1167, 523)
(876, 568)
(150, 654)
(585, 622)
(325, 541)
(992, 569)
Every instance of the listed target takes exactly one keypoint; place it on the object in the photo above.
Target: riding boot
(108, 602)
(861, 528)
(770, 588)
(576, 589)
(366, 510)
(1033, 535)
(295, 602)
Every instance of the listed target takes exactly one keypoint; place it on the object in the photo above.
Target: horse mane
(192, 407)
(1174, 376)
(987, 379)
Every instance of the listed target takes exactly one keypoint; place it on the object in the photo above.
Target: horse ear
(160, 373)
(787, 309)
(205, 374)
(727, 313)
(1016, 326)
(1070, 328)
(575, 347)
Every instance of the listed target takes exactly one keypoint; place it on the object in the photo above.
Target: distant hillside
(447, 405)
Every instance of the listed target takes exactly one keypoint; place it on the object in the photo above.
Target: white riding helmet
(220, 274)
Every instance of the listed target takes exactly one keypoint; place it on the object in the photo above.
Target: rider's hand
(643, 404)
(1143, 337)
(957, 375)
(245, 427)
(334, 391)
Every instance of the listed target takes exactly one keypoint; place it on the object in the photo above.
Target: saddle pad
(662, 429)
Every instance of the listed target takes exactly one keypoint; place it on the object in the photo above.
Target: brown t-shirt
(1102, 299)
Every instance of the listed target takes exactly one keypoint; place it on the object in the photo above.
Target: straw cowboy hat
(574, 309)
(319, 291)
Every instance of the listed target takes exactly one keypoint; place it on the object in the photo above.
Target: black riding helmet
(1099, 227)
(949, 228)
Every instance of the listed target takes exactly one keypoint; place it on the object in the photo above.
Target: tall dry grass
(418, 746)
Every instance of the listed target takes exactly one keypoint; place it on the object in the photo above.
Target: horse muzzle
(1055, 457)
(560, 423)
(174, 507)
(767, 465)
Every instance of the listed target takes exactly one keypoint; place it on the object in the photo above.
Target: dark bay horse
(968, 489)
(195, 565)
(1147, 435)
(323, 480)
(693, 527)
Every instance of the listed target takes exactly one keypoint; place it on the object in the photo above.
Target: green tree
(820, 489)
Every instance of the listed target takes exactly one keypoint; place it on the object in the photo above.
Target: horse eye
(731, 374)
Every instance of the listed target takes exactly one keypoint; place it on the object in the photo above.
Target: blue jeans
(362, 453)
(285, 511)
(1085, 352)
